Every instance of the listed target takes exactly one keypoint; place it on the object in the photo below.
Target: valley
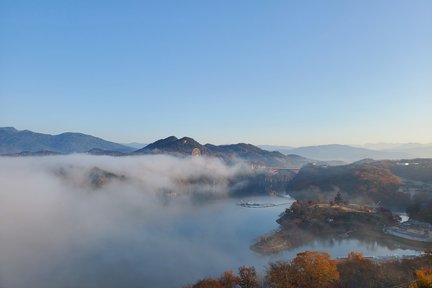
(235, 204)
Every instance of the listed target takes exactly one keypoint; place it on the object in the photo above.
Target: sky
(262, 72)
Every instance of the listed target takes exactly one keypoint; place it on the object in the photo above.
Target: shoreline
(339, 222)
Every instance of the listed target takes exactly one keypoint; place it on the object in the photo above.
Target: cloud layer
(63, 224)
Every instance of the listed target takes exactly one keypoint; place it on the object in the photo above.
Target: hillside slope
(232, 152)
(363, 182)
(15, 141)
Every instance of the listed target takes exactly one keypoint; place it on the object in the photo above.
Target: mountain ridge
(18, 143)
(26, 142)
(228, 152)
(14, 141)
(345, 153)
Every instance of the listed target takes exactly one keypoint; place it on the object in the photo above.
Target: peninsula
(307, 221)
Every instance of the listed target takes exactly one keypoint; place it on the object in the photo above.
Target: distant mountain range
(135, 145)
(25, 142)
(350, 154)
(345, 153)
(281, 149)
(28, 143)
(15, 141)
(391, 146)
(419, 151)
(248, 152)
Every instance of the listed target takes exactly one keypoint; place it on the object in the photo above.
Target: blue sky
(262, 72)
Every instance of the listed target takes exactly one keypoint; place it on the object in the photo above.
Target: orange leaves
(355, 256)
(314, 269)
(307, 269)
(424, 278)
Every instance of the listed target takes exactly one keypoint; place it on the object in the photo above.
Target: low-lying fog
(150, 221)
(61, 226)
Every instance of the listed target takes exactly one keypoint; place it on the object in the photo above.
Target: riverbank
(412, 230)
(306, 222)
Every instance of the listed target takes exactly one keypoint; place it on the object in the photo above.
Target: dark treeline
(318, 270)
(397, 185)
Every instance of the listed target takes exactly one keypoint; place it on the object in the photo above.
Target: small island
(307, 221)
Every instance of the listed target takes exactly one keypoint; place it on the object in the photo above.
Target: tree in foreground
(358, 272)
(279, 275)
(229, 279)
(424, 278)
(313, 269)
(248, 277)
(208, 283)
(318, 270)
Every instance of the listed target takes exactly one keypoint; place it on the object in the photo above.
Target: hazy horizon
(132, 142)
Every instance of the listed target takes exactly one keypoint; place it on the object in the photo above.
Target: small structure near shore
(412, 230)
(251, 204)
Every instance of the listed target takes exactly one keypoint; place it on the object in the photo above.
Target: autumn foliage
(424, 278)
(313, 269)
(307, 269)
(358, 272)
(318, 270)
(357, 183)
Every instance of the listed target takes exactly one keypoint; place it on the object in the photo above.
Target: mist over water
(59, 230)
(145, 227)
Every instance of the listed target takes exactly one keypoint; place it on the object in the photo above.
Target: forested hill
(365, 181)
(18, 141)
(247, 152)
